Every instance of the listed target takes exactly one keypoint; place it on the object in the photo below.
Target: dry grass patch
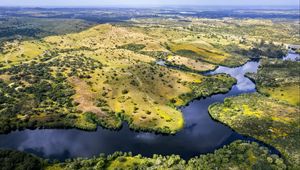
(191, 63)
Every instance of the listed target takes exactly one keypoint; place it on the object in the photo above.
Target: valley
(149, 89)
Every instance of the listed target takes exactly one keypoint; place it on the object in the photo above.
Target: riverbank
(274, 113)
(198, 127)
(279, 79)
(238, 155)
(276, 123)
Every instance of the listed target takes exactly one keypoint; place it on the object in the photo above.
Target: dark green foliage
(93, 118)
(36, 88)
(15, 160)
(24, 27)
(43, 93)
(263, 118)
(188, 53)
(156, 54)
(238, 155)
(273, 73)
(258, 50)
(125, 91)
(220, 83)
(132, 47)
(80, 66)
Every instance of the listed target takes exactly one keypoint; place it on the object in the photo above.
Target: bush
(10, 160)
(125, 91)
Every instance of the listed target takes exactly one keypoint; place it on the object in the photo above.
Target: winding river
(200, 135)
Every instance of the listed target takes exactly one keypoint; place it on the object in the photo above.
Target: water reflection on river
(200, 135)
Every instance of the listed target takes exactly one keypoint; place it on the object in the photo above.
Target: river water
(292, 55)
(200, 135)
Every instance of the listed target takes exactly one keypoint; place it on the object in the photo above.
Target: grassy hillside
(97, 77)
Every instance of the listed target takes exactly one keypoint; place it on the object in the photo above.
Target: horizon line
(145, 6)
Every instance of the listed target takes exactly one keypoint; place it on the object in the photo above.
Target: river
(200, 135)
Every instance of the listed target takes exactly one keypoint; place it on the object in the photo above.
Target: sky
(147, 3)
